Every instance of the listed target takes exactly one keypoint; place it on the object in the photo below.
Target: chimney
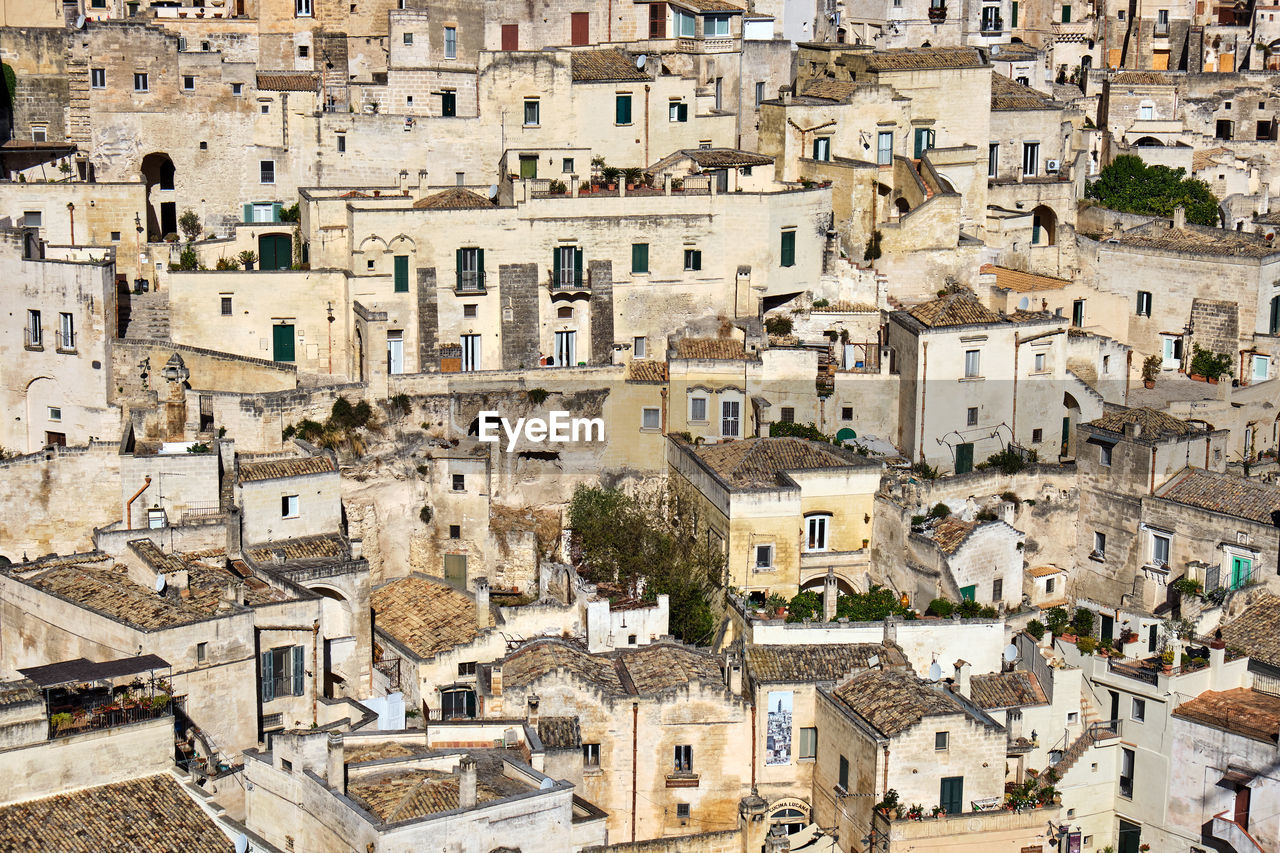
(1133, 430)
(422, 180)
(890, 630)
(962, 678)
(829, 592)
(735, 675)
(467, 783)
(482, 603)
(495, 679)
(336, 767)
(233, 533)
(1264, 204)
(404, 182)
(785, 94)
(533, 710)
(1179, 217)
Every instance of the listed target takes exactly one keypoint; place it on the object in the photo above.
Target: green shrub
(793, 430)
(1207, 363)
(969, 609)
(940, 607)
(1056, 620)
(820, 303)
(780, 326)
(425, 514)
(1087, 645)
(226, 264)
(1036, 629)
(187, 260)
(1082, 621)
(924, 471)
(917, 520)
(804, 605)
(538, 396)
(940, 510)
(1128, 184)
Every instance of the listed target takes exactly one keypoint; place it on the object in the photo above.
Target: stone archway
(159, 174)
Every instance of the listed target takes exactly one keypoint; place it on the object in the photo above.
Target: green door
(401, 274)
(969, 593)
(951, 794)
(964, 458)
(1130, 837)
(282, 342)
(528, 167)
(275, 251)
(924, 141)
(1241, 569)
(1066, 433)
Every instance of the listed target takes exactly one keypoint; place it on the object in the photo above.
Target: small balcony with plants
(81, 696)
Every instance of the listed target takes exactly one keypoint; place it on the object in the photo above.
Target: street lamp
(139, 283)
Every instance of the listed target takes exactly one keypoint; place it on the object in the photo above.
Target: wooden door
(282, 342)
(964, 458)
(510, 36)
(580, 28)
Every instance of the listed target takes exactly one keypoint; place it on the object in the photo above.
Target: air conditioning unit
(1052, 165)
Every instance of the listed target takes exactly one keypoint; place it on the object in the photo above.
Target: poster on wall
(1073, 842)
(777, 747)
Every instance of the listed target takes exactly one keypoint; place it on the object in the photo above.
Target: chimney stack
(735, 675)
(890, 630)
(1179, 217)
(495, 679)
(533, 710)
(404, 181)
(785, 94)
(422, 180)
(467, 783)
(830, 591)
(962, 678)
(336, 767)
(482, 603)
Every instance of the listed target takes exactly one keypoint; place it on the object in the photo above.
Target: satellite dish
(160, 582)
(1023, 303)
(641, 60)
(935, 671)
(80, 21)
(546, 784)
(242, 843)
(493, 190)
(1011, 653)
(995, 50)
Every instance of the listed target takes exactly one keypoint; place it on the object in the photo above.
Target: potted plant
(1150, 370)
(938, 810)
(610, 175)
(777, 604)
(889, 805)
(633, 176)
(60, 721)
(248, 257)
(916, 812)
(558, 188)
(1166, 661)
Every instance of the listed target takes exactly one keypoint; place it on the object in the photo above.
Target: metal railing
(470, 281)
(32, 338)
(390, 667)
(106, 716)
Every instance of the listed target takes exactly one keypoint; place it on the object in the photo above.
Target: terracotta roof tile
(1257, 630)
(661, 666)
(534, 660)
(645, 370)
(725, 349)
(895, 701)
(404, 794)
(641, 671)
(1045, 571)
(756, 462)
(288, 82)
(141, 815)
(1195, 240)
(721, 157)
(454, 198)
(276, 469)
(19, 692)
(1240, 711)
(1009, 94)
(559, 732)
(1224, 493)
(819, 662)
(604, 66)
(957, 308)
(924, 58)
(710, 5)
(1204, 158)
(425, 616)
(1141, 78)
(1154, 425)
(832, 90)
(1023, 282)
(1006, 690)
(355, 752)
(949, 534)
(306, 548)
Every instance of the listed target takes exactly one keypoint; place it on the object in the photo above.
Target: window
(730, 417)
(682, 811)
(715, 26)
(237, 88)
(400, 278)
(408, 38)
(788, 250)
(1099, 544)
(466, 668)
(1162, 29)
(1013, 14)
(941, 740)
(684, 24)
(1144, 303)
(1139, 710)
(764, 557)
(677, 111)
(98, 78)
(684, 758)
(35, 336)
(651, 418)
(639, 258)
(591, 755)
(692, 259)
(342, 143)
(450, 42)
(1126, 772)
(1049, 584)
(266, 109)
(1037, 436)
(817, 528)
(470, 268)
(1104, 455)
(566, 165)
(455, 531)
(458, 704)
(282, 672)
(1039, 361)
(66, 332)
(188, 83)
(267, 171)
(1106, 364)
(202, 652)
(1030, 159)
(226, 306)
(55, 413)
(288, 506)
(622, 109)
(788, 415)
(459, 482)
(1160, 549)
(115, 236)
(991, 22)
(1066, 14)
(1146, 111)
(469, 311)
(449, 106)
(993, 159)
(759, 93)
(972, 363)
(140, 81)
(698, 409)
(32, 218)
(846, 413)
(470, 353)
(302, 8)
(1077, 313)
(304, 51)
(884, 148)
(844, 774)
(822, 148)
(531, 112)
(808, 743)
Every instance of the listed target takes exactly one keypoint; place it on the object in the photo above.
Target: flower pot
(1197, 377)
(613, 186)
(781, 611)
(1212, 380)
(248, 265)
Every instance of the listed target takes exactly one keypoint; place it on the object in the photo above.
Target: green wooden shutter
(459, 256)
(623, 110)
(577, 267)
(402, 274)
(964, 458)
(1275, 315)
(1013, 14)
(480, 268)
(248, 213)
(268, 674)
(788, 248)
(697, 259)
(684, 112)
(639, 257)
(276, 207)
(297, 670)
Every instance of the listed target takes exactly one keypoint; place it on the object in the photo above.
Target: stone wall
(1215, 325)
(54, 499)
(726, 841)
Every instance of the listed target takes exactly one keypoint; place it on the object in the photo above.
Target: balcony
(33, 339)
(83, 696)
(937, 14)
(567, 280)
(470, 282)
(711, 44)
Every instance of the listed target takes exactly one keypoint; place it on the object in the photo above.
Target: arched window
(1044, 226)
(564, 312)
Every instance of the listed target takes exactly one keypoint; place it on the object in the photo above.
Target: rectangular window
(267, 171)
(759, 93)
(1147, 112)
(764, 557)
(449, 105)
(1077, 313)
(884, 148)
(1013, 14)
(1144, 303)
(98, 78)
(1160, 549)
(342, 143)
(591, 755)
(684, 24)
(639, 347)
(282, 672)
(32, 218)
(288, 506)
(54, 413)
(140, 81)
(684, 758)
(972, 363)
(1030, 159)
(788, 415)
(941, 740)
(816, 532)
(846, 413)
(997, 590)
(1037, 436)
(730, 417)
(698, 409)
(202, 652)
(1066, 14)
(678, 111)
(844, 774)
(682, 811)
(35, 335)
(408, 38)
(304, 51)
(822, 148)
(566, 166)
(993, 159)
(1099, 544)
(532, 116)
(450, 42)
(237, 88)
(622, 109)
(188, 83)
(226, 306)
(692, 259)
(991, 19)
(1039, 362)
(455, 531)
(1104, 455)
(651, 418)
(1049, 584)
(466, 668)
(1126, 772)
(470, 264)
(459, 482)
(66, 332)
(470, 353)
(788, 250)
(715, 26)
(401, 277)
(302, 8)
(1139, 710)
(808, 743)
(639, 258)
(1162, 28)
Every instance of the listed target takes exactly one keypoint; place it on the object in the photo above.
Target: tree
(648, 543)
(1128, 184)
(189, 224)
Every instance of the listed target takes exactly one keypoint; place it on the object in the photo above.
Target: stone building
(970, 561)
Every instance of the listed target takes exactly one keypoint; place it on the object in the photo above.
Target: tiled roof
(646, 370)
(1257, 630)
(1204, 157)
(726, 349)
(893, 702)
(139, 816)
(559, 732)
(276, 469)
(1155, 425)
(949, 534)
(404, 794)
(354, 194)
(1014, 52)
(355, 752)
(454, 198)
(605, 66)
(1240, 711)
(288, 82)
(819, 662)
(18, 692)
(1006, 690)
(661, 666)
(924, 58)
(755, 462)
(958, 308)
(1009, 94)
(710, 5)
(306, 548)
(1195, 240)
(425, 616)
(1020, 281)
(721, 157)
(1235, 496)
(534, 660)
(825, 87)
(1044, 571)
(630, 672)
(1141, 78)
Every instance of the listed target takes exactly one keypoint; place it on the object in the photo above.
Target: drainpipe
(646, 123)
(1151, 489)
(635, 725)
(128, 507)
(1013, 426)
(318, 672)
(886, 769)
(1128, 368)
(665, 401)
(71, 212)
(753, 746)
(924, 390)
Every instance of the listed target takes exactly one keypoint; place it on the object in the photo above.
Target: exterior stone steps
(148, 316)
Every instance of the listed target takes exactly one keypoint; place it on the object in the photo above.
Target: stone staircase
(1094, 730)
(148, 316)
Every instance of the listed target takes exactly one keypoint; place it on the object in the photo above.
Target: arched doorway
(158, 173)
(1044, 226)
(792, 815)
(901, 206)
(1070, 418)
(339, 634)
(1149, 142)
(275, 251)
